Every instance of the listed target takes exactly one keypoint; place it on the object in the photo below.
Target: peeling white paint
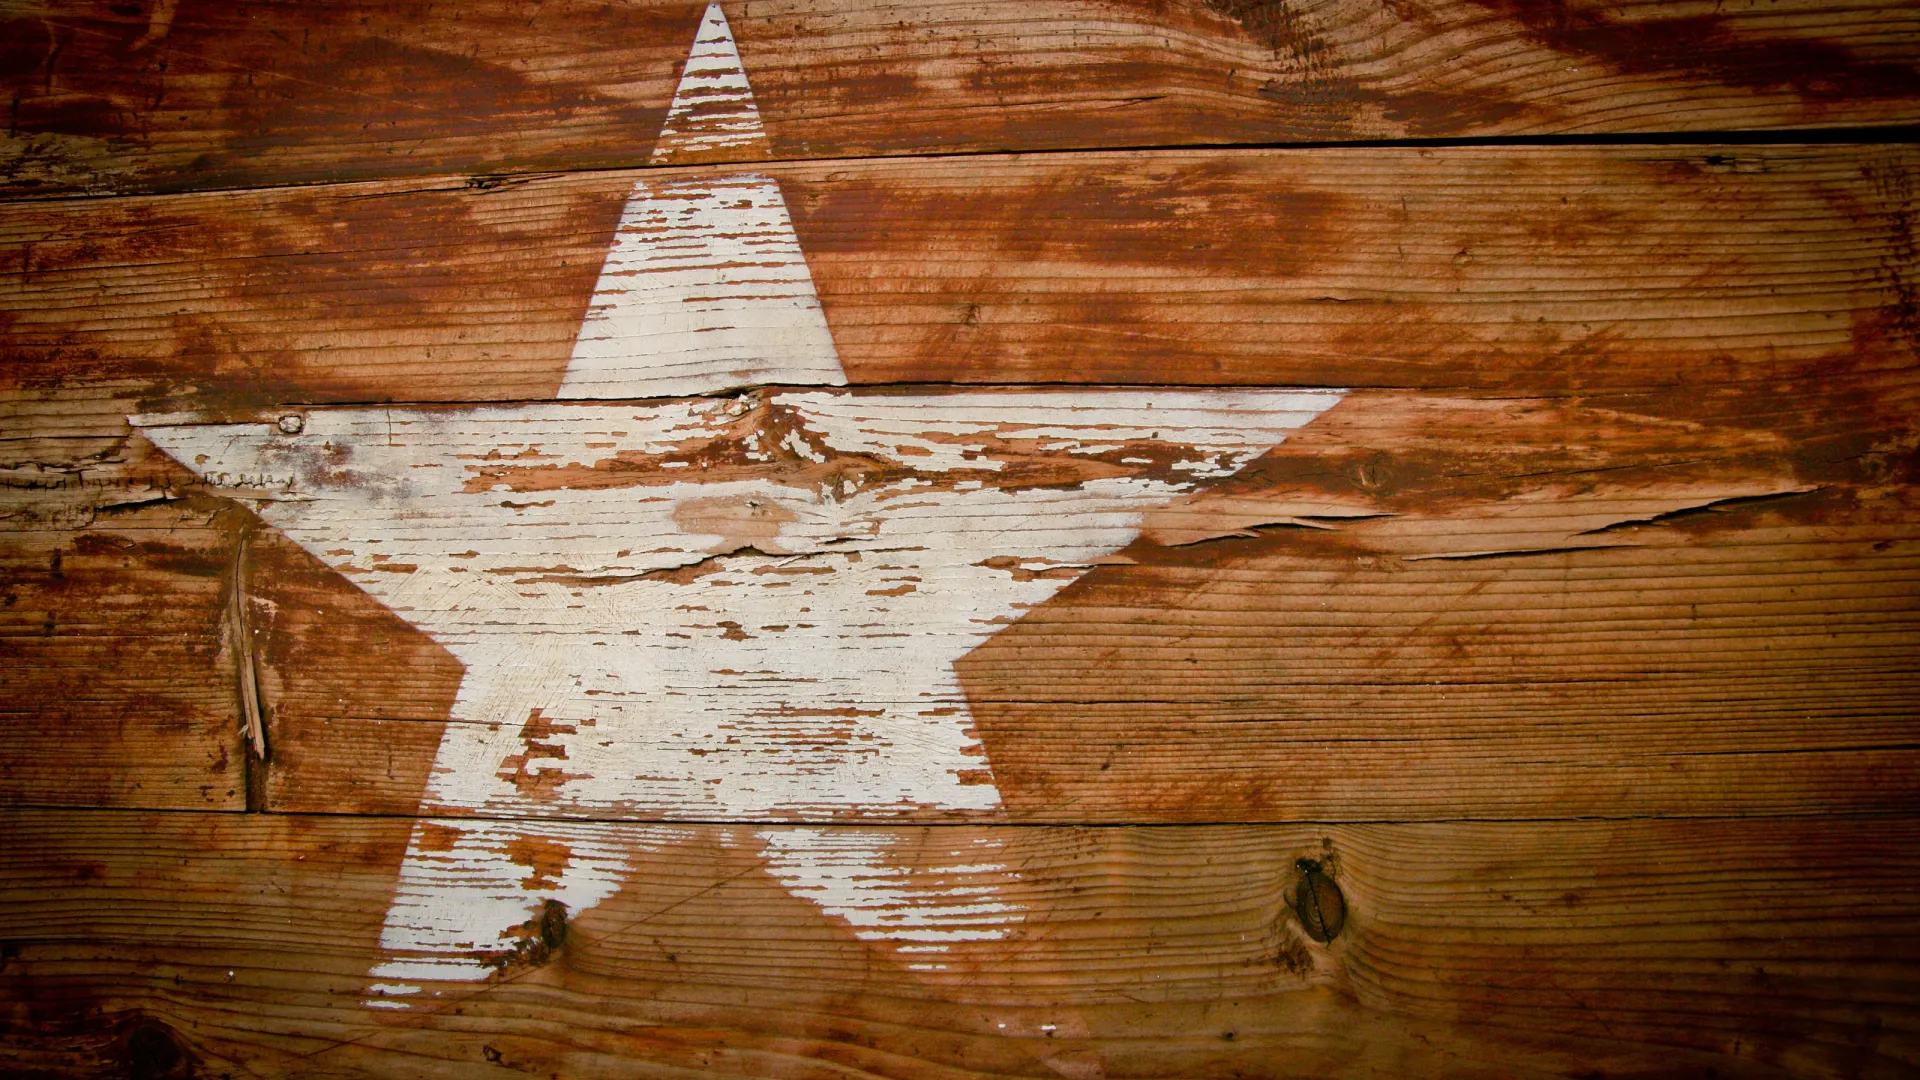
(713, 107)
(686, 610)
(704, 289)
(887, 888)
(1212, 432)
(807, 676)
(469, 888)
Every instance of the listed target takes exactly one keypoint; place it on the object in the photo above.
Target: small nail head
(292, 424)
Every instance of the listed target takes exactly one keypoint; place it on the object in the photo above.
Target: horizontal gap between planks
(911, 823)
(1889, 135)
(257, 413)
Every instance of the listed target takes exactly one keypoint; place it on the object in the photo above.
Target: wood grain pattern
(174, 94)
(1754, 949)
(968, 683)
(117, 659)
(1620, 506)
(1624, 272)
(1416, 607)
(739, 610)
(1301, 646)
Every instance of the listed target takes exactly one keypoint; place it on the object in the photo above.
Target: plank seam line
(911, 823)
(218, 418)
(1780, 138)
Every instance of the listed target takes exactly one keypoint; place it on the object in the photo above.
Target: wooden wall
(1575, 639)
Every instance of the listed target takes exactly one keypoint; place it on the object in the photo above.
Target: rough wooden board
(1753, 949)
(728, 609)
(1340, 666)
(1117, 702)
(1771, 271)
(1628, 530)
(1653, 616)
(1336, 660)
(196, 94)
(117, 660)
(191, 93)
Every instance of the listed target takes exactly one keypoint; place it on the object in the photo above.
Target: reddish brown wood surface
(1745, 949)
(172, 94)
(121, 640)
(1576, 647)
(1612, 552)
(1611, 632)
(1617, 274)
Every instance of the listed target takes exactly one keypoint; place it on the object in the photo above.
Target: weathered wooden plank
(1416, 606)
(742, 609)
(183, 93)
(1308, 674)
(125, 611)
(1531, 653)
(1761, 349)
(119, 650)
(1621, 525)
(1748, 949)
(1626, 271)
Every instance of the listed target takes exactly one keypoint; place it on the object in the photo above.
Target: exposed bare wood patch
(246, 666)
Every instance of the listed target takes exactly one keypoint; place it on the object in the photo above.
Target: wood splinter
(252, 712)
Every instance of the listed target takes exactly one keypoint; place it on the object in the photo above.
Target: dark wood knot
(1318, 902)
(152, 1053)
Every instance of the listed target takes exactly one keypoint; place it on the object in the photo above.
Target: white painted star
(716, 609)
